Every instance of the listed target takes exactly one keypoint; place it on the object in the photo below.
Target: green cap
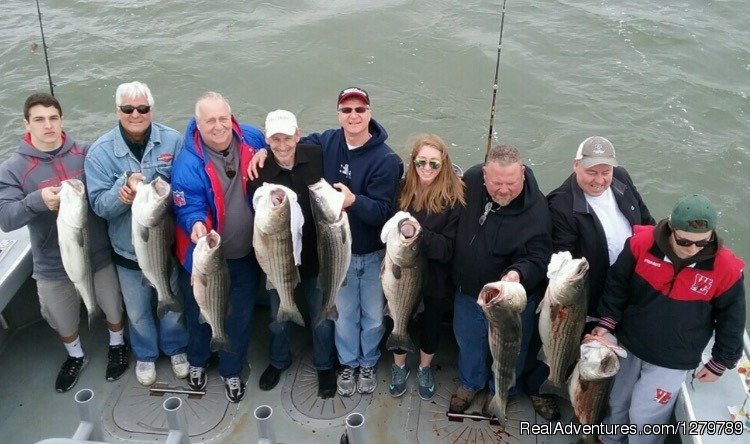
(690, 208)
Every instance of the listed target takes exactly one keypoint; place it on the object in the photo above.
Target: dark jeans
(244, 274)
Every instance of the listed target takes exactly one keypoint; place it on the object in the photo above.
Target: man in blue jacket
(209, 186)
(358, 162)
(136, 150)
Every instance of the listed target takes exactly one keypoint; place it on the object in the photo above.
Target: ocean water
(667, 84)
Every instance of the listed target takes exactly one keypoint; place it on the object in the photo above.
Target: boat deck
(31, 410)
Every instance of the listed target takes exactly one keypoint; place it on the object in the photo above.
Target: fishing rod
(44, 46)
(495, 85)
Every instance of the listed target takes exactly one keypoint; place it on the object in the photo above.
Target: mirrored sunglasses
(421, 164)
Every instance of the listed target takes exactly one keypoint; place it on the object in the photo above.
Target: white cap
(281, 121)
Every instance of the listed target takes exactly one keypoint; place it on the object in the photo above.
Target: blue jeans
(244, 274)
(360, 303)
(279, 349)
(474, 359)
(145, 340)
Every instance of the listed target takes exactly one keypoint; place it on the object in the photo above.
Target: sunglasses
(142, 109)
(358, 110)
(421, 164)
(688, 243)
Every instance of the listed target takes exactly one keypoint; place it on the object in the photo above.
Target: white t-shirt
(616, 226)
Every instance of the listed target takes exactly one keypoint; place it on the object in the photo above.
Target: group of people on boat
(663, 288)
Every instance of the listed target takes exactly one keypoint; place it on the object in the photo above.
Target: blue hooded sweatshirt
(371, 172)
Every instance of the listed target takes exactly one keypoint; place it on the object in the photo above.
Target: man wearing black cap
(358, 162)
(671, 288)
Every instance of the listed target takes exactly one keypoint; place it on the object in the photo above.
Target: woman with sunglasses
(671, 288)
(434, 194)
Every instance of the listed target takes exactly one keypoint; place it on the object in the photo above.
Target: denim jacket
(107, 165)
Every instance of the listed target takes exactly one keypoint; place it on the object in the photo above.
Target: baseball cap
(350, 92)
(281, 121)
(693, 207)
(596, 150)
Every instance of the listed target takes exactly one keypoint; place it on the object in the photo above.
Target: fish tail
(329, 314)
(550, 388)
(220, 343)
(164, 306)
(290, 314)
(94, 313)
(399, 341)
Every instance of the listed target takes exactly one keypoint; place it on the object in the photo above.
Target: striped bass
(402, 274)
(153, 232)
(591, 379)
(502, 303)
(334, 244)
(210, 280)
(274, 247)
(73, 237)
(563, 317)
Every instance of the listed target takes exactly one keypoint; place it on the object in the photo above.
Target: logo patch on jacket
(165, 157)
(344, 169)
(179, 198)
(701, 284)
(662, 396)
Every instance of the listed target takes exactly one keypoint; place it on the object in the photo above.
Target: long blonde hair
(446, 191)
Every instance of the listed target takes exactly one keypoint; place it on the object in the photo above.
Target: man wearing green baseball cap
(671, 288)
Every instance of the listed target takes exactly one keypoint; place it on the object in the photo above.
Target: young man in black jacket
(296, 166)
(671, 288)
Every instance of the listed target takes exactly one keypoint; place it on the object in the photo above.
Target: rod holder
(266, 434)
(355, 428)
(178, 431)
(88, 429)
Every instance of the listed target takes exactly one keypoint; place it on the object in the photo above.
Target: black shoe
(327, 383)
(234, 388)
(269, 378)
(69, 372)
(197, 379)
(117, 361)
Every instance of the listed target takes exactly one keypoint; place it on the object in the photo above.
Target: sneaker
(346, 382)
(145, 372)
(461, 400)
(270, 378)
(69, 372)
(180, 366)
(426, 383)
(118, 359)
(398, 380)
(234, 388)
(197, 378)
(545, 406)
(366, 383)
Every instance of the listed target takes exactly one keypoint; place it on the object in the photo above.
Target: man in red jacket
(671, 288)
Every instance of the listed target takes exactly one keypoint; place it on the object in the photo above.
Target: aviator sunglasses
(421, 164)
(142, 109)
(687, 242)
(358, 110)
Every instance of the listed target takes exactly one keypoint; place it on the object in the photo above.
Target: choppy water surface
(668, 84)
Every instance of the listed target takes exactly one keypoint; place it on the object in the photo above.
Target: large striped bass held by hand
(562, 317)
(334, 244)
(73, 238)
(402, 274)
(153, 233)
(210, 280)
(502, 303)
(273, 241)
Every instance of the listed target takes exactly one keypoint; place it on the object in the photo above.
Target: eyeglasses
(688, 243)
(487, 209)
(358, 110)
(142, 109)
(421, 164)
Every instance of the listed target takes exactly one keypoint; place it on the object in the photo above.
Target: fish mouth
(407, 228)
(277, 197)
(489, 295)
(77, 185)
(161, 187)
(213, 239)
(609, 366)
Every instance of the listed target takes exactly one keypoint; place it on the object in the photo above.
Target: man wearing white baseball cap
(296, 166)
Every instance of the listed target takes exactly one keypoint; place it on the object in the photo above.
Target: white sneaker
(145, 372)
(180, 365)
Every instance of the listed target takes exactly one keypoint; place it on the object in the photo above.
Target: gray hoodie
(22, 177)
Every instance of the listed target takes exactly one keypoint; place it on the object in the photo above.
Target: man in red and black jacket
(672, 286)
